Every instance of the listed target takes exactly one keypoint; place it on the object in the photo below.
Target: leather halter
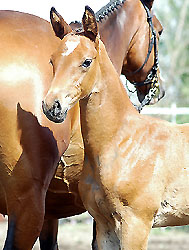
(153, 43)
(152, 77)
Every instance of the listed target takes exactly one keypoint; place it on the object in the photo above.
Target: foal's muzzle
(55, 113)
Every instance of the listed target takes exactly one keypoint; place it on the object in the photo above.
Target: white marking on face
(71, 46)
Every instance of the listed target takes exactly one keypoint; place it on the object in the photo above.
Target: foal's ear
(149, 3)
(90, 24)
(60, 27)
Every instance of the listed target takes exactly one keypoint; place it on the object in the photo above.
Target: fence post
(173, 112)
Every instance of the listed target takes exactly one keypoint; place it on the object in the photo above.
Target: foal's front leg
(25, 217)
(106, 237)
(129, 230)
(135, 229)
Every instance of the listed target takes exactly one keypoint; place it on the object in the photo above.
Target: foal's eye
(86, 63)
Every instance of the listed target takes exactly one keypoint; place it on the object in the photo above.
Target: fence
(173, 111)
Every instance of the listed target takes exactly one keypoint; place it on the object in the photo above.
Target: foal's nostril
(55, 113)
(56, 109)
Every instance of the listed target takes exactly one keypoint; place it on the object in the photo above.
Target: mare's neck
(117, 31)
(107, 108)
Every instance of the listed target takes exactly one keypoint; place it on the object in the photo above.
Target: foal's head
(75, 65)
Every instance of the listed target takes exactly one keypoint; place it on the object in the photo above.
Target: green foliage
(174, 50)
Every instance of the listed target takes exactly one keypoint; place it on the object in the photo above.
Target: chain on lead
(152, 92)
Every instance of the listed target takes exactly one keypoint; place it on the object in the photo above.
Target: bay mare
(135, 172)
(122, 32)
(30, 145)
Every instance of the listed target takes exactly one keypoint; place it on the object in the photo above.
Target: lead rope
(148, 97)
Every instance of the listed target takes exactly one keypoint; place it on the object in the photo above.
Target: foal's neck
(105, 111)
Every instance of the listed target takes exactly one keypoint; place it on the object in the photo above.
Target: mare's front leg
(25, 209)
(35, 160)
(48, 236)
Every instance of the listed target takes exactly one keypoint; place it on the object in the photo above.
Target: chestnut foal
(135, 172)
(131, 55)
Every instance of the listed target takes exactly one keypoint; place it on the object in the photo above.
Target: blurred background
(76, 232)
(174, 58)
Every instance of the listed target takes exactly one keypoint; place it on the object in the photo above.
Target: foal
(135, 173)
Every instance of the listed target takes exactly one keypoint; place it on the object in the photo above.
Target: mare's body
(30, 146)
(135, 173)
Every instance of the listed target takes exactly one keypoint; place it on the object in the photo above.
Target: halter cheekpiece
(152, 77)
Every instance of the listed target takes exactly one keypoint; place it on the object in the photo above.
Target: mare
(30, 145)
(129, 34)
(134, 176)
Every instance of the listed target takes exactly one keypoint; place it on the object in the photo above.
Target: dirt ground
(78, 236)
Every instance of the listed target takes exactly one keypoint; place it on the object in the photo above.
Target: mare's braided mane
(108, 9)
(105, 11)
